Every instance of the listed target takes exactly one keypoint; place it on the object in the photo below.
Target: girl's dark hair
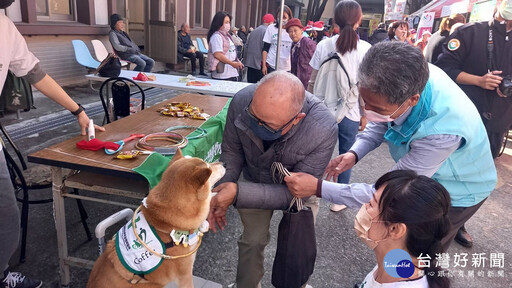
(422, 204)
(395, 25)
(286, 10)
(217, 22)
(346, 14)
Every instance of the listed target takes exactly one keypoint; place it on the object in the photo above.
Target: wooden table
(101, 172)
(218, 87)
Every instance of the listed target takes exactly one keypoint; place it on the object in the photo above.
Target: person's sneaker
(194, 73)
(337, 207)
(17, 280)
(203, 74)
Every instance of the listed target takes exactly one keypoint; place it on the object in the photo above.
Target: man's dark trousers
(193, 57)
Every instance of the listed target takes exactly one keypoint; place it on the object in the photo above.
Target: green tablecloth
(206, 148)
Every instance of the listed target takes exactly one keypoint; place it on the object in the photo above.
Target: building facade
(49, 26)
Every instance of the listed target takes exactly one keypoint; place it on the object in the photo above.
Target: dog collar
(175, 235)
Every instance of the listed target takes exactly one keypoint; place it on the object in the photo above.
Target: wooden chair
(24, 179)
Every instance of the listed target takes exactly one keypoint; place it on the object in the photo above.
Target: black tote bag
(16, 94)
(296, 247)
(110, 66)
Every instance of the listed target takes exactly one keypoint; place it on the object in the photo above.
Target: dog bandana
(135, 257)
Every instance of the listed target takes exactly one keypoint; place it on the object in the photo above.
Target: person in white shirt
(351, 49)
(15, 56)
(269, 53)
(222, 53)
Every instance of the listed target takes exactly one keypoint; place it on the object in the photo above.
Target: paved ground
(342, 259)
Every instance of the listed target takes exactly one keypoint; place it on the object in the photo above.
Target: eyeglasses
(265, 125)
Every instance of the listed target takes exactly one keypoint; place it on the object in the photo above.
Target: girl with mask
(222, 53)
(269, 52)
(407, 212)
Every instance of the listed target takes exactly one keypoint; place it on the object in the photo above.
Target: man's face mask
(263, 130)
(373, 116)
(5, 3)
(362, 224)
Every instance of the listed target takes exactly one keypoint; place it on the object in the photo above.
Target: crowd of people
(438, 103)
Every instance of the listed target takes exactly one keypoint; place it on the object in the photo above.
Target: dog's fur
(180, 201)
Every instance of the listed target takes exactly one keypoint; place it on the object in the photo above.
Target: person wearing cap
(124, 46)
(253, 48)
(465, 59)
(317, 29)
(303, 49)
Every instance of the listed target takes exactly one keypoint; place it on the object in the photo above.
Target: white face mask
(226, 27)
(373, 116)
(284, 22)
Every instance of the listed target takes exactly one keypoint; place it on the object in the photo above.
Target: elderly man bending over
(275, 120)
(430, 126)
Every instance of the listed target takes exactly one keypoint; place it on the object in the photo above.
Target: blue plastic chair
(83, 56)
(200, 46)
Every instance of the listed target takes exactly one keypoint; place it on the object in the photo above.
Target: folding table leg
(60, 225)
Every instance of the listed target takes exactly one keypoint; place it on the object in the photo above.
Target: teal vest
(469, 173)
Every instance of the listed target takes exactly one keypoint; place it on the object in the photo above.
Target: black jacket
(378, 35)
(184, 43)
(471, 57)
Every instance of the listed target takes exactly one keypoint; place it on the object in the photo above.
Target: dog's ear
(200, 177)
(177, 156)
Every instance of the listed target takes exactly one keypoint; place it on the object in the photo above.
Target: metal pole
(279, 34)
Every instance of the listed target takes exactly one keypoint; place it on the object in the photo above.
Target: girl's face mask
(362, 224)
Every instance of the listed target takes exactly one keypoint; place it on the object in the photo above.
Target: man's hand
(190, 50)
(362, 123)
(264, 69)
(301, 184)
(490, 81)
(226, 193)
(339, 165)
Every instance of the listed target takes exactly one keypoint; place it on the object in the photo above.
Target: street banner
(482, 11)
(426, 23)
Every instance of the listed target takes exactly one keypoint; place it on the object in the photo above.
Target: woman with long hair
(434, 47)
(222, 54)
(410, 213)
(269, 52)
(351, 50)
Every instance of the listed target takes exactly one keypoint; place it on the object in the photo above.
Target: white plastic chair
(206, 43)
(101, 52)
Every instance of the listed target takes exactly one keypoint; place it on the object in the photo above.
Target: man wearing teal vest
(430, 126)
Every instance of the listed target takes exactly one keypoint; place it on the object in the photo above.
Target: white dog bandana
(135, 257)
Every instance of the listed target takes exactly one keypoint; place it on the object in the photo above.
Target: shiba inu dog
(158, 246)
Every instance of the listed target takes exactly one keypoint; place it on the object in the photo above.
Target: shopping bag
(296, 247)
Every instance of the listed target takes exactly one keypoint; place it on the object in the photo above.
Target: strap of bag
(490, 50)
(335, 55)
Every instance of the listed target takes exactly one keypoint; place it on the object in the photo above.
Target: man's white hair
(287, 81)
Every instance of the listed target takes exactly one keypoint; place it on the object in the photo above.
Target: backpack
(16, 94)
(110, 66)
(334, 87)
